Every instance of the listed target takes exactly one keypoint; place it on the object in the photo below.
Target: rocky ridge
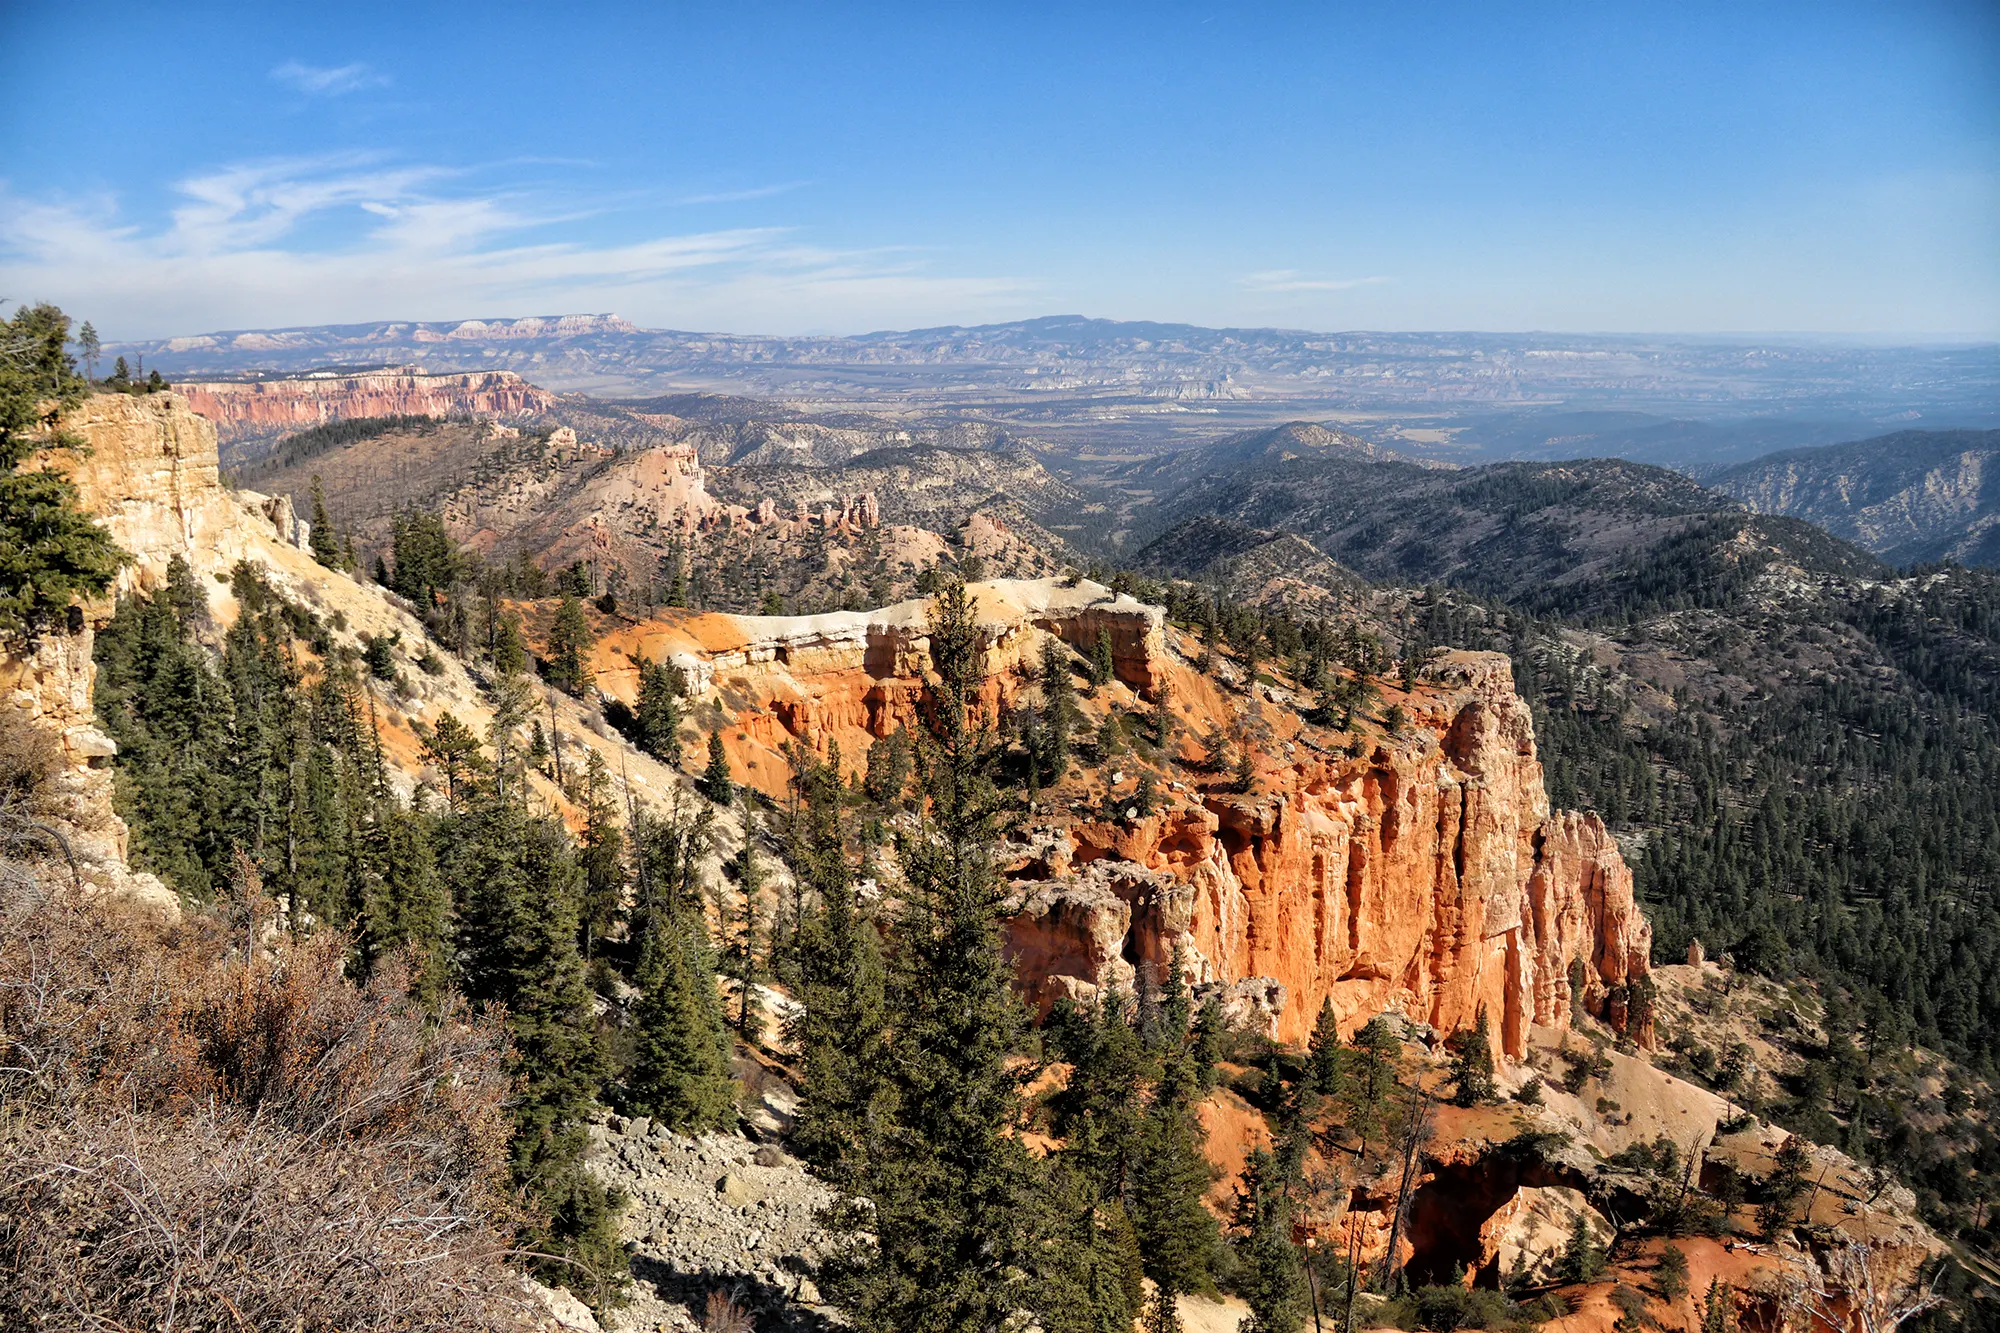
(276, 406)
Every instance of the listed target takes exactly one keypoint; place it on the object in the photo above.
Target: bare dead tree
(1851, 1291)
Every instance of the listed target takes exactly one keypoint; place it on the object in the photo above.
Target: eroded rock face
(267, 407)
(1426, 877)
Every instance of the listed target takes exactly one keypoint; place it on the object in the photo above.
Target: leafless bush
(200, 1135)
(724, 1315)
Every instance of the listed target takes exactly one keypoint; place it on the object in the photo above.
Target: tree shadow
(772, 1305)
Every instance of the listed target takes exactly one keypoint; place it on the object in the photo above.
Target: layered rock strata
(1426, 875)
(268, 407)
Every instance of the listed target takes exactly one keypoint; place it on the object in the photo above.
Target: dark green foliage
(659, 715)
(1270, 1277)
(1102, 670)
(889, 765)
(740, 953)
(324, 543)
(950, 1182)
(1583, 1259)
(1325, 1074)
(840, 1028)
(426, 560)
(567, 666)
(1050, 756)
(50, 551)
(680, 1066)
(1472, 1063)
(1671, 1276)
(716, 783)
(515, 880)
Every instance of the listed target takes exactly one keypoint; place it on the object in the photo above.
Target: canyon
(1412, 865)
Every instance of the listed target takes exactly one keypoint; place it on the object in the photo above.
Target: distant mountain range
(1095, 378)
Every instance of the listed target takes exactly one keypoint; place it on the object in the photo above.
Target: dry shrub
(724, 1315)
(201, 1135)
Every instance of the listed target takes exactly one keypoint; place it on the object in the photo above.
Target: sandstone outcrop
(269, 407)
(1426, 875)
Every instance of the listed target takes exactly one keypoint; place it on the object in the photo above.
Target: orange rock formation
(1426, 875)
(263, 407)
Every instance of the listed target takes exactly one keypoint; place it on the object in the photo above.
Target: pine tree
(1270, 1278)
(1170, 1176)
(1059, 711)
(602, 854)
(516, 882)
(570, 641)
(1472, 1063)
(89, 347)
(50, 550)
(716, 784)
(1718, 1308)
(1583, 1259)
(453, 750)
(404, 905)
(840, 1025)
(950, 1182)
(661, 685)
(1102, 668)
(1325, 1072)
(680, 1066)
(321, 538)
(1672, 1274)
(740, 956)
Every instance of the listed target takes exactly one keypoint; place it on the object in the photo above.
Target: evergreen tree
(1718, 1308)
(716, 783)
(950, 1181)
(740, 957)
(1324, 1072)
(888, 768)
(1170, 1176)
(840, 1025)
(1672, 1274)
(516, 883)
(89, 347)
(680, 1067)
(404, 903)
(570, 640)
(661, 685)
(1583, 1259)
(453, 750)
(1270, 1277)
(1472, 1063)
(50, 550)
(1102, 669)
(1058, 711)
(602, 854)
(321, 540)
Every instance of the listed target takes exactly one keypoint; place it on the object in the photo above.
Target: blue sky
(1819, 167)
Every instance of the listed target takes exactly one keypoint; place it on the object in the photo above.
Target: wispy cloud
(328, 80)
(739, 196)
(1292, 280)
(352, 238)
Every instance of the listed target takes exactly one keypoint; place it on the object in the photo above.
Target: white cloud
(739, 196)
(350, 238)
(327, 80)
(1291, 280)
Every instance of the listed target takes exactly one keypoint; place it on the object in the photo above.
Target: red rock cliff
(265, 407)
(1426, 875)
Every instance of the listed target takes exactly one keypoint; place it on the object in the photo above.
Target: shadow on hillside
(770, 1305)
